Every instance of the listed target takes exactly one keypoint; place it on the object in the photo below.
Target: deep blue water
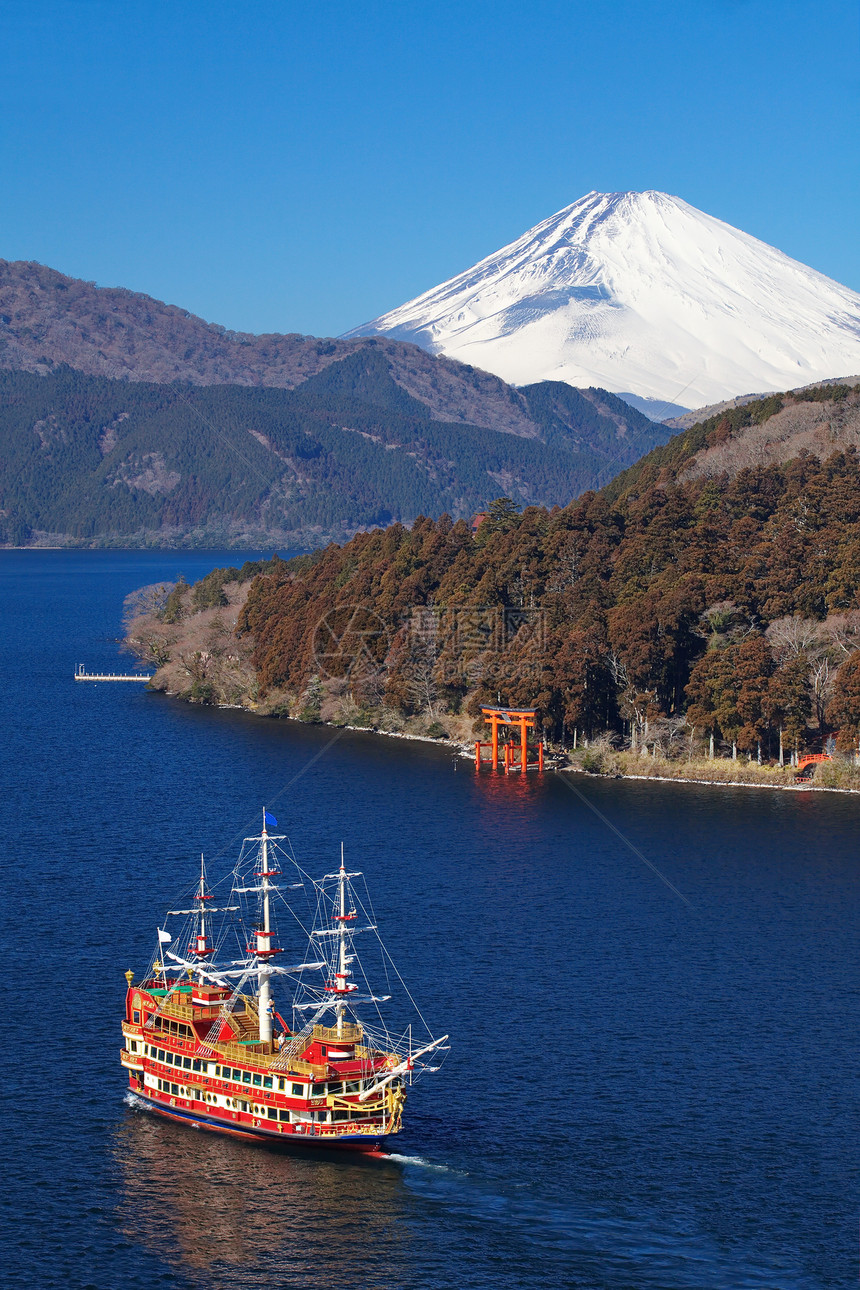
(641, 1093)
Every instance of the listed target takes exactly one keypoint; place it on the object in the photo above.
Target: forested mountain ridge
(704, 605)
(770, 430)
(124, 420)
(48, 319)
(91, 460)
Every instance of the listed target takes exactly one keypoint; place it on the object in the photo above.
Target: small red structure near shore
(810, 759)
(515, 757)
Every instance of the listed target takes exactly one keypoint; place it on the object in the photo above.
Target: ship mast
(200, 945)
(342, 971)
(264, 943)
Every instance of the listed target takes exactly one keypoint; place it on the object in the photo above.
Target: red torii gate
(525, 719)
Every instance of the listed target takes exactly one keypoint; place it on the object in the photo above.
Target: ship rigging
(206, 1041)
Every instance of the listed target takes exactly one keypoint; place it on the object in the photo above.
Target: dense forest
(90, 460)
(676, 604)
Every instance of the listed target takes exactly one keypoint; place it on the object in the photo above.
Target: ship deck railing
(246, 1051)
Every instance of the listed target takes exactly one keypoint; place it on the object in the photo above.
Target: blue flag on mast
(270, 819)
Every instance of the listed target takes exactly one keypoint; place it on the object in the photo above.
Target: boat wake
(419, 1161)
(136, 1103)
(614, 1249)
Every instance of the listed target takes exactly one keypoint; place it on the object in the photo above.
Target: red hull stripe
(346, 1142)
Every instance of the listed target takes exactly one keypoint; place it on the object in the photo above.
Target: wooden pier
(82, 675)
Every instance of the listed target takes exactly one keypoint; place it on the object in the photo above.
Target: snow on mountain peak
(642, 294)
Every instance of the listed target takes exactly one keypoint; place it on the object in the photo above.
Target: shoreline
(463, 750)
(811, 787)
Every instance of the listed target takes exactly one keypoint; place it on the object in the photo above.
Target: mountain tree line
(724, 610)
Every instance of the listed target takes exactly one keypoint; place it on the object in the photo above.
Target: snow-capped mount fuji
(644, 295)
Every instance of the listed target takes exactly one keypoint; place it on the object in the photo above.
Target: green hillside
(91, 460)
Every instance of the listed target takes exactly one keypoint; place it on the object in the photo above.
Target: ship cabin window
(237, 1075)
(282, 1084)
(339, 1115)
(258, 1080)
(318, 1090)
(267, 1081)
(174, 1027)
(272, 1112)
(352, 1086)
(246, 1077)
(135, 1017)
(174, 1088)
(196, 1065)
(285, 1116)
(186, 1062)
(298, 1090)
(161, 1055)
(244, 1106)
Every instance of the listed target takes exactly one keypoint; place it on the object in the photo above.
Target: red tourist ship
(206, 1042)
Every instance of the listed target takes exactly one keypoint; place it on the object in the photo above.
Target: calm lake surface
(641, 1093)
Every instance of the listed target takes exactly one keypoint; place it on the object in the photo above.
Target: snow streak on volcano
(639, 293)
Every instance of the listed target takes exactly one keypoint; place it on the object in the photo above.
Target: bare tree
(843, 632)
(791, 636)
(146, 602)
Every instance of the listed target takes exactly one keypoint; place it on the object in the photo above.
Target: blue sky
(304, 167)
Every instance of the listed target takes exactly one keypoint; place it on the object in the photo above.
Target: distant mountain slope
(815, 421)
(642, 294)
(91, 460)
(48, 319)
(698, 415)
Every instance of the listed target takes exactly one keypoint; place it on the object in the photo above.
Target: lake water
(643, 1091)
